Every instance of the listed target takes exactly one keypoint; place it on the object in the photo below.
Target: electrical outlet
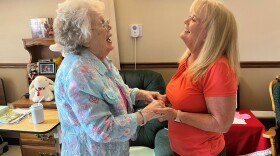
(135, 30)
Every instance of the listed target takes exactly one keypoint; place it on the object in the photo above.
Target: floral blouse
(94, 119)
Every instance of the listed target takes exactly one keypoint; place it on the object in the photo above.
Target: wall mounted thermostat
(135, 30)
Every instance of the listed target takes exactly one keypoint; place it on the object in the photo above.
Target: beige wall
(258, 23)
(162, 22)
(15, 82)
(15, 25)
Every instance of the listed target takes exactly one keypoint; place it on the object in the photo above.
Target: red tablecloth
(246, 138)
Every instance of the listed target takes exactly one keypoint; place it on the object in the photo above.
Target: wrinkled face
(101, 43)
(194, 33)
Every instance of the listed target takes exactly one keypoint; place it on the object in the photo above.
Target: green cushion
(147, 80)
(162, 144)
(143, 79)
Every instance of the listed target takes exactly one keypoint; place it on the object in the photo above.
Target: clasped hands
(156, 106)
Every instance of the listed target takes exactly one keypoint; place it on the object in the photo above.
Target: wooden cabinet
(38, 144)
(38, 49)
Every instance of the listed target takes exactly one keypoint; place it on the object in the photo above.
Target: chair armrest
(271, 133)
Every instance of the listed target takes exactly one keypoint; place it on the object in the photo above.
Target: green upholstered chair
(273, 132)
(146, 135)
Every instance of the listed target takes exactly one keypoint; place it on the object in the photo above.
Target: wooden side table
(37, 139)
(247, 138)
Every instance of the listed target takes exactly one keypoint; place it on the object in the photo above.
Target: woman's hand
(164, 99)
(166, 113)
(149, 109)
(148, 96)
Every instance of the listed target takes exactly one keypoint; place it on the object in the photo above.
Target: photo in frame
(47, 68)
(44, 60)
(41, 27)
(32, 70)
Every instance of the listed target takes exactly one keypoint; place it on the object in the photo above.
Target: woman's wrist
(141, 111)
(140, 119)
(140, 95)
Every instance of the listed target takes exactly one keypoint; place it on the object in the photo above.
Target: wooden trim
(255, 64)
(29, 42)
(149, 65)
(13, 65)
(260, 64)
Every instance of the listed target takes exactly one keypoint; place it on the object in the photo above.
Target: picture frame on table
(47, 68)
(44, 60)
(32, 70)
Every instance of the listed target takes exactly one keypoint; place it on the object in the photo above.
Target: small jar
(37, 113)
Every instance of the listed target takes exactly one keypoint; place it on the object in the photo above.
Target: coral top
(219, 80)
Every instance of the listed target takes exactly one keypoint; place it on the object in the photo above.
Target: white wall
(15, 25)
(258, 22)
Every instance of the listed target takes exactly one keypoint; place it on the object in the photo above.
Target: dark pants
(222, 153)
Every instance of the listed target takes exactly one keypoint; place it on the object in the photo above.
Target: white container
(37, 113)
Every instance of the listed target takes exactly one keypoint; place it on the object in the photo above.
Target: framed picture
(41, 27)
(32, 70)
(44, 60)
(47, 68)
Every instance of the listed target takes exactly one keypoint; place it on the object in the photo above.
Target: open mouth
(109, 39)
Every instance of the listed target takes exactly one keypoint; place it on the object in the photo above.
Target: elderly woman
(203, 91)
(94, 105)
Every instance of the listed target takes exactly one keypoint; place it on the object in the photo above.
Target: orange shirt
(219, 80)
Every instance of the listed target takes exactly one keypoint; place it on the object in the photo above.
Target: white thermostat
(135, 30)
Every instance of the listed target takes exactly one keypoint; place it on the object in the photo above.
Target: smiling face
(194, 33)
(101, 44)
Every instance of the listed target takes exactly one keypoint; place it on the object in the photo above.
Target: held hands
(148, 111)
(156, 107)
(149, 96)
(166, 113)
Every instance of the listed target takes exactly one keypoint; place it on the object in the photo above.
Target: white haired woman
(203, 90)
(94, 104)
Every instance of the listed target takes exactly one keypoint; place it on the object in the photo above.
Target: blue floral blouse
(94, 119)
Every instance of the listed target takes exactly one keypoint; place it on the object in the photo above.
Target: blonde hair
(73, 23)
(221, 39)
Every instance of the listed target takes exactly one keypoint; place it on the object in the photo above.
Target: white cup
(37, 113)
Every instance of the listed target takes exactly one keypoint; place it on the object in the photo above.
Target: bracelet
(144, 118)
(177, 119)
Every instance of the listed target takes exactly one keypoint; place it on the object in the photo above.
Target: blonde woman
(202, 92)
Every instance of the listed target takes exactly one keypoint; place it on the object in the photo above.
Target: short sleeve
(219, 80)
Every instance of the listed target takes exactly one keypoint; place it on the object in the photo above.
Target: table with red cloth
(246, 138)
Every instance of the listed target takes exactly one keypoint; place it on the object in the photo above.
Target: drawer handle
(45, 154)
(42, 154)
(44, 137)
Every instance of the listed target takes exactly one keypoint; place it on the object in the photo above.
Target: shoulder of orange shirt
(9, 116)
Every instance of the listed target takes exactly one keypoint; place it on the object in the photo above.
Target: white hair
(74, 21)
